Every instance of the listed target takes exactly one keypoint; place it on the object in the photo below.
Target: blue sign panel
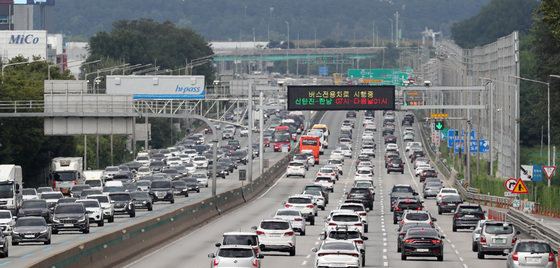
(324, 70)
(473, 134)
(459, 144)
(537, 173)
(474, 148)
(450, 134)
(484, 146)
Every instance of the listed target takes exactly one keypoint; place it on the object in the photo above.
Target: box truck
(66, 172)
(11, 183)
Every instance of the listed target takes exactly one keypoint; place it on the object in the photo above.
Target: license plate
(533, 260)
(395, 165)
(499, 240)
(68, 225)
(29, 236)
(469, 216)
(422, 250)
(274, 235)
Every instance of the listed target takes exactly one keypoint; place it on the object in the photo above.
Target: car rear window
(536, 247)
(402, 190)
(235, 253)
(346, 218)
(275, 225)
(339, 246)
(451, 198)
(470, 209)
(299, 200)
(363, 171)
(417, 216)
(288, 213)
(344, 234)
(296, 164)
(498, 228)
(359, 191)
(249, 240)
(422, 233)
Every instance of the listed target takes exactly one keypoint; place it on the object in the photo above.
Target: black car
(363, 194)
(389, 156)
(239, 157)
(235, 144)
(87, 192)
(369, 113)
(390, 138)
(416, 154)
(72, 216)
(422, 242)
(449, 203)
(162, 190)
(35, 207)
(157, 165)
(403, 204)
(133, 165)
(395, 164)
(30, 229)
(123, 203)
(192, 185)
(350, 114)
(173, 173)
(142, 200)
(405, 227)
(467, 216)
(231, 165)
(76, 190)
(400, 191)
(180, 188)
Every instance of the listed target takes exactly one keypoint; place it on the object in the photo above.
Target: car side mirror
(260, 256)
(218, 245)
(518, 232)
(365, 238)
(555, 252)
(506, 251)
(314, 250)
(211, 255)
(415, 193)
(434, 219)
(254, 228)
(443, 237)
(283, 202)
(484, 211)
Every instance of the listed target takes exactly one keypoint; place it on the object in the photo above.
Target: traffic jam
(342, 206)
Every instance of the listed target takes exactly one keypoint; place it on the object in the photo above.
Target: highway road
(25, 254)
(192, 249)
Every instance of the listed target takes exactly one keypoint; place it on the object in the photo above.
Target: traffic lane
(27, 253)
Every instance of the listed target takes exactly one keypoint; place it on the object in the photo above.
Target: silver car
(476, 235)
(235, 256)
(297, 221)
(495, 238)
(533, 253)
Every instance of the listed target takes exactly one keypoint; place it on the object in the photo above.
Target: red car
(266, 141)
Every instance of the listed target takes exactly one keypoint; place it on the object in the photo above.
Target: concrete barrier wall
(119, 246)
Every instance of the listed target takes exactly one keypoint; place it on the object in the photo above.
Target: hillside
(235, 20)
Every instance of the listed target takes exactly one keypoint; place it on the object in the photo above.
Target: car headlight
(83, 218)
(45, 231)
(56, 220)
(144, 202)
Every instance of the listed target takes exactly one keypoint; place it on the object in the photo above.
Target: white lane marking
(271, 187)
(308, 256)
(384, 244)
(316, 243)
(384, 250)
(453, 245)
(385, 264)
(384, 257)
(304, 263)
(465, 266)
(457, 252)
(461, 259)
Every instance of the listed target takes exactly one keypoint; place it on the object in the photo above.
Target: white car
(370, 127)
(365, 164)
(417, 216)
(342, 233)
(368, 120)
(310, 157)
(392, 147)
(476, 235)
(446, 191)
(420, 168)
(200, 161)
(364, 174)
(109, 172)
(94, 184)
(294, 217)
(6, 220)
(337, 253)
(338, 163)
(191, 153)
(369, 151)
(326, 182)
(411, 144)
(350, 219)
(305, 205)
(358, 208)
(108, 207)
(29, 193)
(143, 185)
(94, 210)
(318, 198)
(174, 162)
(367, 135)
(202, 178)
(190, 167)
(235, 256)
(346, 150)
(144, 160)
(143, 171)
(328, 172)
(185, 158)
(337, 155)
(346, 127)
(295, 168)
(51, 197)
(276, 235)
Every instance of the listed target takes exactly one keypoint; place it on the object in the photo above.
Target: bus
(281, 139)
(285, 129)
(310, 143)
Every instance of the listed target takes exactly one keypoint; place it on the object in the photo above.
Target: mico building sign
(167, 87)
(23, 43)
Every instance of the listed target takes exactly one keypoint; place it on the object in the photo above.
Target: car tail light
(515, 257)
(288, 206)
(419, 208)
(409, 240)
(436, 241)
(54, 184)
(75, 182)
(550, 257)
(316, 180)
(309, 206)
(260, 232)
(359, 241)
(514, 240)
(298, 219)
(332, 174)
(362, 213)
(403, 234)
(456, 216)
(432, 223)
(443, 203)
(482, 239)
(332, 224)
(216, 262)
(289, 233)
(482, 216)
(301, 167)
(349, 195)
(358, 224)
(256, 250)
(369, 175)
(398, 208)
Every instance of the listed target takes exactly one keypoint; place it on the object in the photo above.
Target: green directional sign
(439, 125)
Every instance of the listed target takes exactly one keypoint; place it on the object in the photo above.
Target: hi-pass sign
(341, 98)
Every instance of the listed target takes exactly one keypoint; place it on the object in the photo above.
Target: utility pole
(397, 27)
(250, 134)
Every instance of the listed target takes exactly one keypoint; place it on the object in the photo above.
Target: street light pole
(491, 109)
(287, 51)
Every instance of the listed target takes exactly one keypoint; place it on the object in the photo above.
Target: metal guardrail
(523, 221)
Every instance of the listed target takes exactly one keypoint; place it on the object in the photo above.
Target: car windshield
(235, 253)
(120, 197)
(89, 203)
(161, 184)
(112, 189)
(422, 233)
(28, 192)
(498, 228)
(170, 171)
(417, 216)
(536, 247)
(313, 193)
(5, 215)
(140, 195)
(402, 190)
(90, 191)
(344, 234)
(100, 198)
(363, 185)
(80, 187)
(299, 200)
(144, 183)
(249, 240)
(179, 183)
(338, 246)
(199, 175)
(94, 183)
(31, 222)
(288, 213)
(323, 179)
(352, 207)
(326, 170)
(51, 196)
(69, 209)
(275, 225)
(144, 169)
(409, 204)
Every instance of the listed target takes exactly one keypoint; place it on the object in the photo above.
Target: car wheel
(474, 247)
(48, 242)
(440, 258)
(363, 259)
(100, 223)
(111, 219)
(86, 231)
(388, 171)
(186, 194)
(454, 228)
(403, 257)
(323, 208)
(402, 171)
(133, 214)
(302, 233)
(198, 191)
(480, 255)
(150, 208)
(293, 251)
(15, 243)
(394, 221)
(53, 231)
(398, 247)
(316, 213)
(172, 201)
(439, 211)
(312, 221)
(366, 228)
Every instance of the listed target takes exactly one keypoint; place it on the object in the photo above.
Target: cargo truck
(66, 172)
(11, 182)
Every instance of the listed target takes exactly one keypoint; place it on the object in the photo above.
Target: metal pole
(250, 134)
(261, 137)
(112, 149)
(517, 167)
(85, 152)
(548, 123)
(468, 150)
(147, 137)
(491, 128)
(97, 152)
(214, 162)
